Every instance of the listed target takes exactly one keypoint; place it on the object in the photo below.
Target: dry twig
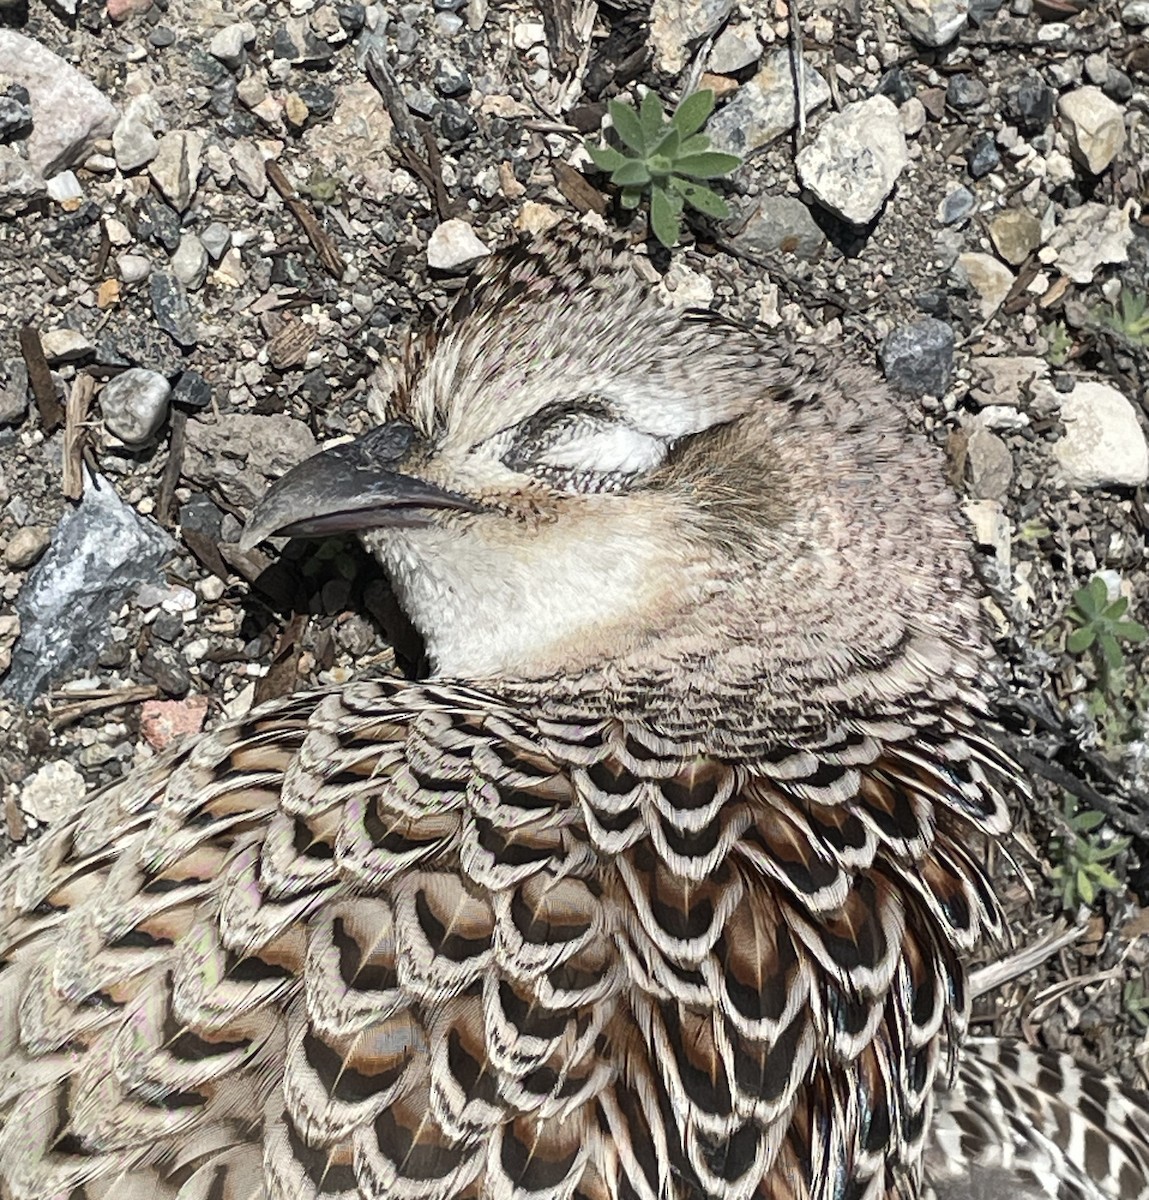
(329, 256)
(76, 434)
(40, 377)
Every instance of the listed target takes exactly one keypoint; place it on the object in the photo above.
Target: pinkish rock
(162, 721)
(121, 10)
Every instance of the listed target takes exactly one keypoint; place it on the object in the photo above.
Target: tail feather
(1018, 1124)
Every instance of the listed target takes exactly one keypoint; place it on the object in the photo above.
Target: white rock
(133, 267)
(1090, 236)
(135, 405)
(65, 188)
(454, 244)
(681, 287)
(675, 25)
(227, 44)
(765, 107)
(990, 278)
(53, 792)
(68, 112)
(64, 345)
(933, 22)
(250, 168)
(537, 218)
(189, 263)
(527, 34)
(734, 49)
(1136, 13)
(912, 116)
(176, 166)
(118, 233)
(1103, 443)
(134, 140)
(1094, 125)
(854, 162)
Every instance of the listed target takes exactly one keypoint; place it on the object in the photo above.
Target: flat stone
(216, 238)
(250, 168)
(766, 107)
(1094, 125)
(781, 224)
(1006, 379)
(989, 278)
(53, 792)
(228, 44)
(676, 25)
(989, 465)
(65, 345)
(734, 50)
(241, 453)
(26, 545)
(1104, 444)
(13, 391)
(164, 721)
(454, 244)
(135, 405)
(176, 166)
(918, 358)
(933, 22)
(102, 550)
(171, 309)
(854, 162)
(68, 112)
(1089, 237)
(1015, 234)
(957, 206)
(351, 141)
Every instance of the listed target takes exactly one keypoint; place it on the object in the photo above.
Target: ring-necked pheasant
(658, 887)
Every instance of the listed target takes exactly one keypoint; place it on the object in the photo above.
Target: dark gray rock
(171, 309)
(919, 358)
(957, 206)
(100, 553)
(781, 223)
(15, 112)
(965, 92)
(192, 392)
(1030, 105)
(982, 156)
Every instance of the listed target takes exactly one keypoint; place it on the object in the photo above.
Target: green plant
(1058, 343)
(1131, 320)
(668, 158)
(1136, 1002)
(1099, 626)
(1081, 872)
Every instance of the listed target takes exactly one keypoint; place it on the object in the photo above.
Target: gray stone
(64, 345)
(189, 263)
(171, 309)
(176, 166)
(1015, 234)
(228, 44)
(989, 465)
(1008, 379)
(13, 392)
(100, 553)
(734, 50)
(933, 22)
(766, 107)
(987, 277)
(854, 162)
(20, 185)
(68, 113)
(957, 206)
(216, 238)
(1104, 444)
(250, 168)
(15, 112)
(135, 405)
(133, 267)
(240, 453)
(781, 223)
(676, 25)
(1136, 13)
(26, 545)
(1094, 125)
(454, 244)
(918, 358)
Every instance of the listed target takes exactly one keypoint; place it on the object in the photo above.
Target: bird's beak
(351, 486)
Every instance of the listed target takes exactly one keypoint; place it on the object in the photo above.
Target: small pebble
(26, 545)
(982, 156)
(918, 357)
(135, 405)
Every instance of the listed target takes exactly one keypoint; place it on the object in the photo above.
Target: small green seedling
(1100, 625)
(1131, 320)
(666, 158)
(1058, 343)
(1081, 873)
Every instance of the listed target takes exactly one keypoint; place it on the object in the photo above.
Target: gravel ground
(216, 220)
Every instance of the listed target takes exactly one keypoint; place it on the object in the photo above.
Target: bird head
(574, 477)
